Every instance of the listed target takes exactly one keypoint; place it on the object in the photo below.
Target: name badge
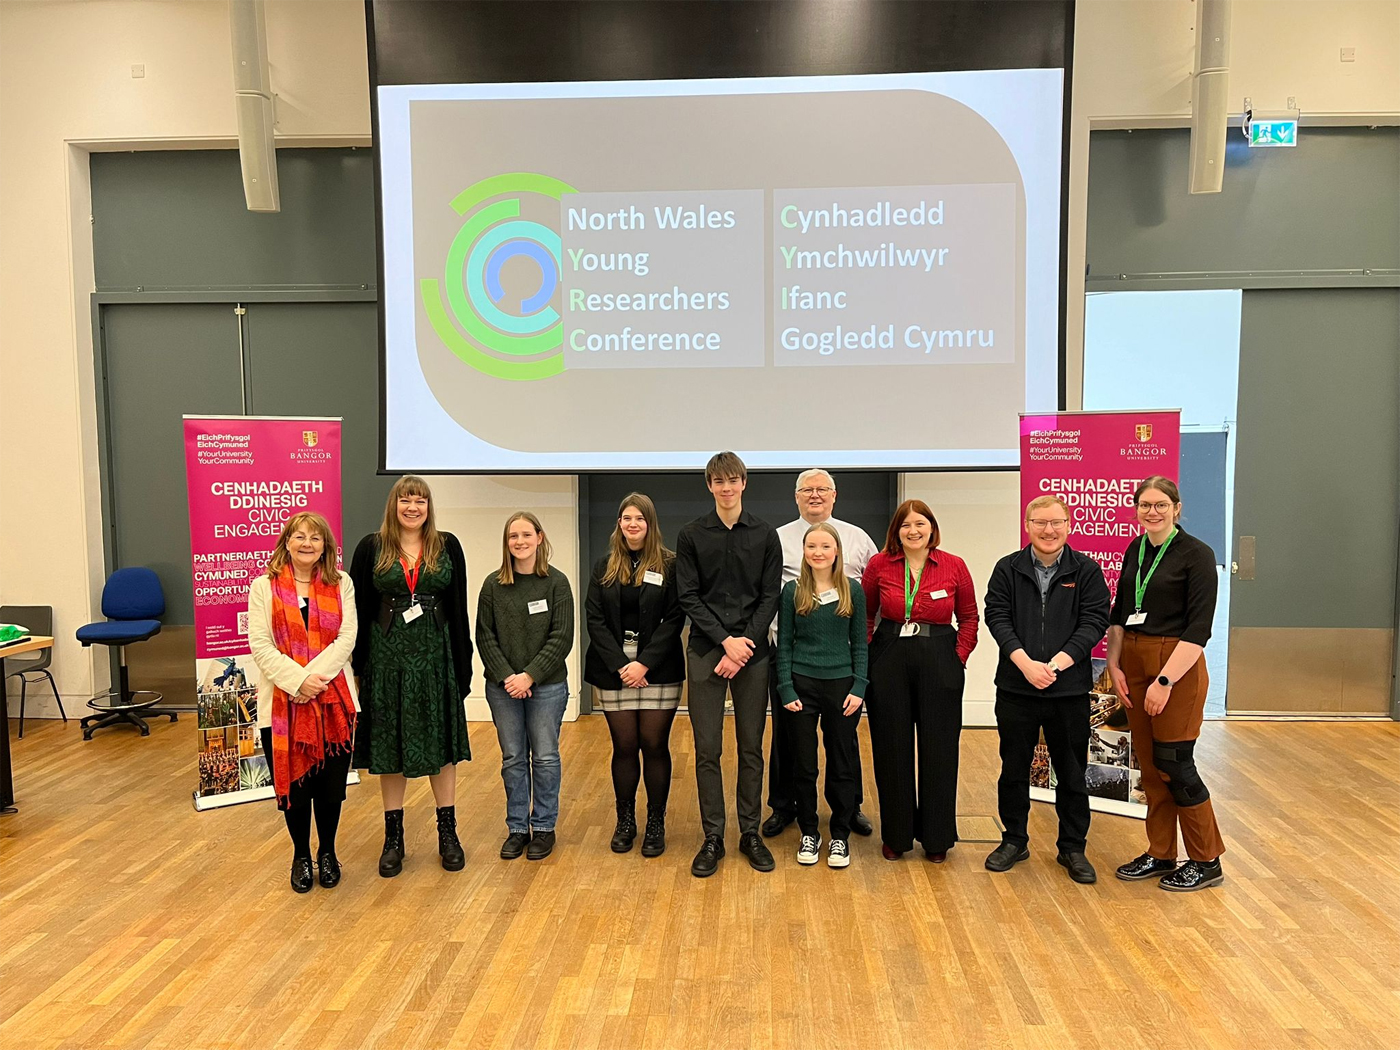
(1137, 619)
(909, 630)
(538, 607)
(827, 597)
(412, 613)
(654, 578)
(940, 593)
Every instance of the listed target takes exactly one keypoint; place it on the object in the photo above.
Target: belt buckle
(630, 636)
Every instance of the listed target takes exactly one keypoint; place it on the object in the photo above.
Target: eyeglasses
(821, 490)
(1048, 523)
(1160, 508)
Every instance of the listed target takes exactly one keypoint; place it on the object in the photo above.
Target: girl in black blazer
(636, 665)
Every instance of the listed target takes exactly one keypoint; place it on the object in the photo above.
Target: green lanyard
(910, 595)
(1141, 583)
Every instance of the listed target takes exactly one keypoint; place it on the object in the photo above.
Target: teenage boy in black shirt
(1047, 607)
(729, 567)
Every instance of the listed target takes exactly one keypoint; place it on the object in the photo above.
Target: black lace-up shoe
(514, 845)
(1194, 875)
(706, 862)
(302, 878)
(1079, 868)
(760, 858)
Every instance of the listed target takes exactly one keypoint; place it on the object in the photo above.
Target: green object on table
(12, 632)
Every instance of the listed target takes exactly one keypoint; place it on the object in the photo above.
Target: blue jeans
(528, 731)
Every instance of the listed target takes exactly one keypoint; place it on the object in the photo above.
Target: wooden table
(7, 781)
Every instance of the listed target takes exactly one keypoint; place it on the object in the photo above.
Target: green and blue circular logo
(502, 333)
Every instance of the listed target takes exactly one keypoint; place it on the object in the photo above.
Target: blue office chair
(132, 601)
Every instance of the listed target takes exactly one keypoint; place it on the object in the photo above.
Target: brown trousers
(1142, 661)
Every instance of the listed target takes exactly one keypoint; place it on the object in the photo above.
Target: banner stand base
(203, 803)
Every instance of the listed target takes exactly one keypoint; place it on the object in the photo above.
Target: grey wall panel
(1330, 203)
(321, 359)
(177, 220)
(1317, 475)
(163, 362)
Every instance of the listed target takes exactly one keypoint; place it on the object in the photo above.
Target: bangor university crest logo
(310, 437)
(1144, 431)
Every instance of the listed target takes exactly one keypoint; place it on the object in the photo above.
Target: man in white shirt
(816, 499)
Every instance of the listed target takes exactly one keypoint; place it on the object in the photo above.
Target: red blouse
(883, 584)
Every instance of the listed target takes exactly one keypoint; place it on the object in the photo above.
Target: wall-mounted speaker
(252, 88)
(1210, 85)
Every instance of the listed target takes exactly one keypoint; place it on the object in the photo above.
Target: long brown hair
(1166, 486)
(655, 557)
(389, 549)
(542, 552)
(312, 522)
(805, 599)
(910, 506)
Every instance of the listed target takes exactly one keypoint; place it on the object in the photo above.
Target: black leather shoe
(760, 859)
(302, 877)
(514, 845)
(1006, 856)
(449, 846)
(706, 862)
(329, 869)
(1194, 875)
(654, 841)
(391, 860)
(626, 831)
(860, 823)
(777, 823)
(1145, 867)
(1079, 868)
(541, 845)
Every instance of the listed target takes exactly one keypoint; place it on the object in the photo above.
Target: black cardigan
(658, 636)
(368, 599)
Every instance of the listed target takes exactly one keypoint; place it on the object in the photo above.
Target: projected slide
(851, 271)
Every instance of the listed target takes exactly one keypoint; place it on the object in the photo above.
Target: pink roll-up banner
(1093, 461)
(247, 475)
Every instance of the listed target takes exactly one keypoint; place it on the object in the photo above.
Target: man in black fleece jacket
(1047, 607)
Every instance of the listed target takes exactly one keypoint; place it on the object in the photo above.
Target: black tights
(647, 733)
(299, 825)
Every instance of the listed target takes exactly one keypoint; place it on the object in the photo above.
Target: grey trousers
(706, 704)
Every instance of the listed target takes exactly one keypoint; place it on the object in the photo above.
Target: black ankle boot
(626, 830)
(449, 847)
(391, 860)
(654, 841)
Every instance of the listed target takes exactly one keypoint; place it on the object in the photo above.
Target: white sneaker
(810, 850)
(838, 854)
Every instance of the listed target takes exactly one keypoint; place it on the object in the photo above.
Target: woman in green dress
(413, 657)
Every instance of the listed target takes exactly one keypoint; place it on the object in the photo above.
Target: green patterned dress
(417, 720)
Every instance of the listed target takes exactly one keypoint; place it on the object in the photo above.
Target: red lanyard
(411, 578)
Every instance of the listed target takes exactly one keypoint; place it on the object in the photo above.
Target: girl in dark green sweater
(822, 677)
(524, 631)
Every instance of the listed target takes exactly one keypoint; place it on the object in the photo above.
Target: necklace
(299, 579)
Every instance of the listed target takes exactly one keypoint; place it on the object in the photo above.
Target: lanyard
(910, 595)
(1141, 583)
(411, 578)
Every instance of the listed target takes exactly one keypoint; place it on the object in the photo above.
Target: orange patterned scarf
(303, 734)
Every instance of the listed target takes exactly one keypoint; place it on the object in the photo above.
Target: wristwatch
(1164, 681)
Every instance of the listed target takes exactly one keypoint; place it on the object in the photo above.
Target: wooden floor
(129, 920)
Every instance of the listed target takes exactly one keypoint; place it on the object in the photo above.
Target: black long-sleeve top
(1180, 599)
(729, 580)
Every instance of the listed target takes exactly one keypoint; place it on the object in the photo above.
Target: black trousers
(325, 787)
(824, 700)
(782, 766)
(706, 706)
(916, 688)
(1065, 721)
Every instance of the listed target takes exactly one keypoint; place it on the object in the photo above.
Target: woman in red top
(916, 680)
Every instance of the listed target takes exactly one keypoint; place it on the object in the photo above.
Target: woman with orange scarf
(301, 630)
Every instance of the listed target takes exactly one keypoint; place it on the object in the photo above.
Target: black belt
(926, 630)
(397, 605)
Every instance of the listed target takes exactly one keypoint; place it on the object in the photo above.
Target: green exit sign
(1273, 133)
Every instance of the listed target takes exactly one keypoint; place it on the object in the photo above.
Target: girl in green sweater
(524, 631)
(822, 677)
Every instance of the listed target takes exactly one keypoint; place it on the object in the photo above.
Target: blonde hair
(542, 553)
(654, 555)
(806, 598)
(390, 550)
(1045, 501)
(312, 522)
